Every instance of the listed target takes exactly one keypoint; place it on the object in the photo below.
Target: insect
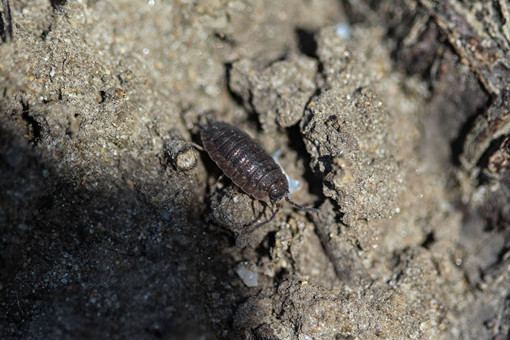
(247, 164)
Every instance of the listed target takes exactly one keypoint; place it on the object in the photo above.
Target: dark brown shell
(244, 161)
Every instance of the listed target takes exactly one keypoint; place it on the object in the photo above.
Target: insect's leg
(198, 147)
(299, 206)
(266, 222)
(215, 184)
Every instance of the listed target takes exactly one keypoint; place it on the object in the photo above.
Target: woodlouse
(247, 164)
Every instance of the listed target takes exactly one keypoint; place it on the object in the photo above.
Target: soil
(392, 116)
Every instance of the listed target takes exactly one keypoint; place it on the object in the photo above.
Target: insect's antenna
(299, 206)
(266, 222)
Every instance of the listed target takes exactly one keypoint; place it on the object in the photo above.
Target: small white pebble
(343, 30)
(248, 273)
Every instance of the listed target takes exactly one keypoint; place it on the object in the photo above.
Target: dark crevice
(228, 74)
(430, 239)
(281, 275)
(46, 32)
(6, 22)
(503, 256)
(496, 220)
(497, 11)
(306, 42)
(457, 145)
(33, 132)
(57, 4)
(483, 162)
(267, 244)
(102, 94)
(225, 38)
(502, 259)
(296, 143)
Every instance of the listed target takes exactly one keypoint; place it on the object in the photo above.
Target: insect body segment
(247, 164)
(244, 161)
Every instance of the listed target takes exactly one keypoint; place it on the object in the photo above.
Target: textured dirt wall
(392, 117)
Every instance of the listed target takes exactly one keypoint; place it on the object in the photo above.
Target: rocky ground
(393, 116)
